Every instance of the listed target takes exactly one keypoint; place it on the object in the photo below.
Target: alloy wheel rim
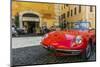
(88, 51)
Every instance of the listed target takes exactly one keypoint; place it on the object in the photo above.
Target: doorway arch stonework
(25, 12)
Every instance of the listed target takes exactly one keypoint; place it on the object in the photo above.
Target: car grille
(69, 52)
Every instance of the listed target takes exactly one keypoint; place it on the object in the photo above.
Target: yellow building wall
(91, 16)
(84, 15)
(78, 16)
(50, 22)
(46, 10)
(37, 7)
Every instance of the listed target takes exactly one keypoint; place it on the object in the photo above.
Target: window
(64, 15)
(79, 8)
(71, 12)
(91, 9)
(75, 10)
(59, 18)
(62, 7)
(68, 14)
(66, 4)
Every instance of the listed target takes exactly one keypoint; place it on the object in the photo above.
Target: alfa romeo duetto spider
(80, 40)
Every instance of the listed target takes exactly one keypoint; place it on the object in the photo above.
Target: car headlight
(78, 39)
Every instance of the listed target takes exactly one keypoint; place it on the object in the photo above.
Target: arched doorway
(30, 21)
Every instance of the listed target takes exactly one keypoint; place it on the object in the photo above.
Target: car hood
(61, 38)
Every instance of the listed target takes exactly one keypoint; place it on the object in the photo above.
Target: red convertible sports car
(77, 41)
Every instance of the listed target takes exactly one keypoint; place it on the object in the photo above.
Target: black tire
(87, 53)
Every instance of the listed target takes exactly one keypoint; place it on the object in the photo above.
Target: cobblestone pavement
(38, 55)
(28, 51)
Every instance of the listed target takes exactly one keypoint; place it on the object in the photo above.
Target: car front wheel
(88, 51)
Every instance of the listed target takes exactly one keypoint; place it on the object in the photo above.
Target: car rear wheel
(87, 53)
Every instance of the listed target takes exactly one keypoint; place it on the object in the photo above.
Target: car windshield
(81, 26)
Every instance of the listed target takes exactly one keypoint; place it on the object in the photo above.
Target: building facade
(34, 15)
(75, 13)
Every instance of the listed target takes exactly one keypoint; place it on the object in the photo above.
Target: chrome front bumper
(65, 51)
(69, 52)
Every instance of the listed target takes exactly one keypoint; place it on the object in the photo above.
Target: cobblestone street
(28, 51)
